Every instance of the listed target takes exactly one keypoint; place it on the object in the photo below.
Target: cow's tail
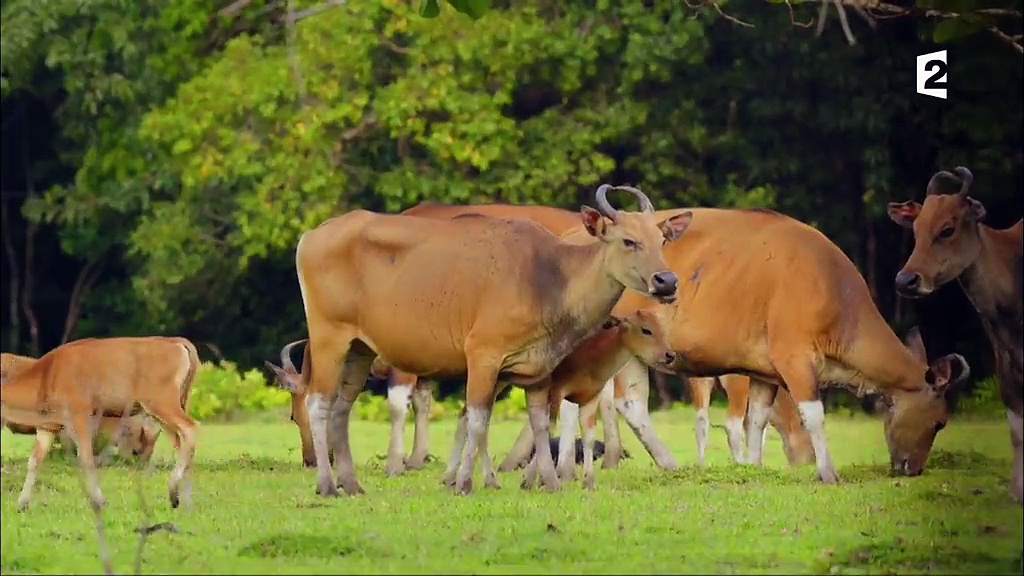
(185, 387)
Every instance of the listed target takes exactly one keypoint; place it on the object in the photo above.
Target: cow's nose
(908, 282)
(664, 283)
(670, 357)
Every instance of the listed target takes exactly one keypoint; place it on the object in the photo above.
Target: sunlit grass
(255, 511)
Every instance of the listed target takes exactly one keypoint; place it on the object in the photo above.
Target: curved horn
(933, 183)
(602, 202)
(286, 356)
(966, 179)
(645, 202)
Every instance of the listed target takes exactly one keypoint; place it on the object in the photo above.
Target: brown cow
(562, 222)
(68, 385)
(784, 417)
(402, 387)
(138, 440)
(951, 242)
(798, 313)
(580, 379)
(478, 296)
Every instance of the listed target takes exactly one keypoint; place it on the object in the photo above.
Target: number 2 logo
(932, 74)
(938, 78)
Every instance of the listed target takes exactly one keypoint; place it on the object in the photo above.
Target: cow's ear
(593, 221)
(611, 322)
(975, 210)
(904, 213)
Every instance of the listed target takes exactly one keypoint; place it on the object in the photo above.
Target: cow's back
(748, 278)
(555, 220)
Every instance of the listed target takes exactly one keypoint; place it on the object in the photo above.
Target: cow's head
(288, 377)
(913, 419)
(140, 439)
(644, 336)
(634, 241)
(946, 239)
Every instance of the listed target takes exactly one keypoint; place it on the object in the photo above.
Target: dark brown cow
(950, 242)
(478, 296)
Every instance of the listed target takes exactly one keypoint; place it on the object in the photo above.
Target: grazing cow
(138, 440)
(634, 395)
(951, 242)
(402, 387)
(488, 298)
(784, 417)
(72, 383)
(765, 295)
(580, 379)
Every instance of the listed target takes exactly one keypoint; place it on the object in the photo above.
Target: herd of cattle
(575, 308)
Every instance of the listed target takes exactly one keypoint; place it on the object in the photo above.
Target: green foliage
(983, 400)
(220, 391)
(374, 407)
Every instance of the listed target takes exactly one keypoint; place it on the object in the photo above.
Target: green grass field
(254, 510)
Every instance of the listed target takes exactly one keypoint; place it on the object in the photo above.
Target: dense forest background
(160, 159)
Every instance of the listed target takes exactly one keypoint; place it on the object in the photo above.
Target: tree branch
(14, 278)
(88, 276)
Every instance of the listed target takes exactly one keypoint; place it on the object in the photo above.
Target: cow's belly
(33, 418)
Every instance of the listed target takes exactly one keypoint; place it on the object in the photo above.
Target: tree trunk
(30, 245)
(87, 276)
(13, 279)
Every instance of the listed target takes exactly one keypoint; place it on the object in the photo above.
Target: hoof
(668, 463)
(173, 495)
(829, 476)
(492, 482)
(553, 485)
(415, 463)
(464, 488)
(309, 463)
(448, 479)
(393, 469)
(609, 463)
(22, 505)
(588, 483)
(327, 490)
(351, 487)
(566, 473)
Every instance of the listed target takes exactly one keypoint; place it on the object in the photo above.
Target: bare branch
(313, 11)
(792, 17)
(88, 276)
(234, 8)
(387, 43)
(293, 54)
(1013, 41)
(732, 19)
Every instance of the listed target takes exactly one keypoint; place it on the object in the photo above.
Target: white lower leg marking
(44, 440)
(398, 405)
(700, 433)
(757, 419)
(812, 414)
(587, 418)
(476, 428)
(734, 434)
(569, 414)
(317, 407)
(459, 443)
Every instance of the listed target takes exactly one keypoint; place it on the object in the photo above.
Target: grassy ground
(255, 511)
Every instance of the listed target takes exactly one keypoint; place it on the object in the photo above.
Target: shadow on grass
(901, 556)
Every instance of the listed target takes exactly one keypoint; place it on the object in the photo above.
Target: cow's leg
(759, 405)
(798, 374)
(569, 419)
(737, 390)
(354, 374)
(610, 423)
(1017, 439)
(458, 445)
(421, 397)
(537, 401)
(520, 451)
(399, 395)
(81, 431)
(44, 441)
(182, 430)
(588, 418)
(796, 442)
(329, 350)
(633, 407)
(481, 387)
(700, 393)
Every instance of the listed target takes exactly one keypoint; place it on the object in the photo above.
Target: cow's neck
(989, 281)
(592, 292)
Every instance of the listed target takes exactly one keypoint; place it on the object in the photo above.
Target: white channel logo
(931, 74)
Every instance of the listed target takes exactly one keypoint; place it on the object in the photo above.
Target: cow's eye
(946, 232)
(631, 244)
(646, 332)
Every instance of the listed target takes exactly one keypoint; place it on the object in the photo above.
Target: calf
(580, 379)
(950, 242)
(106, 377)
(138, 439)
